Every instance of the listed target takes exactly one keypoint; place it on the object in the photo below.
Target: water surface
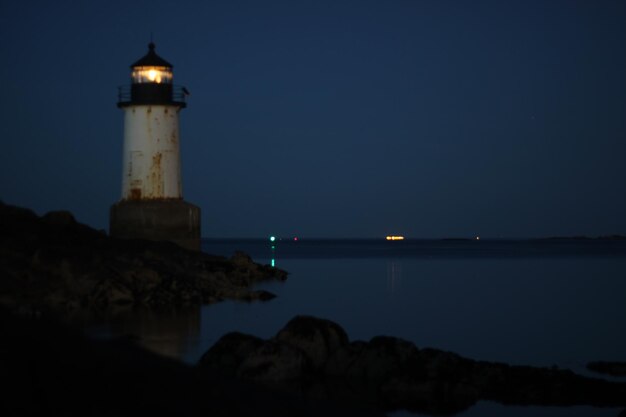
(539, 303)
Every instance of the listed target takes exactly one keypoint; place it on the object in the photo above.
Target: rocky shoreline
(313, 358)
(608, 368)
(54, 264)
(309, 368)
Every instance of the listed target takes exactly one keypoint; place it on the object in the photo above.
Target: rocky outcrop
(314, 358)
(608, 368)
(318, 339)
(55, 263)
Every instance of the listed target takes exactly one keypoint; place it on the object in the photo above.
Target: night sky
(332, 118)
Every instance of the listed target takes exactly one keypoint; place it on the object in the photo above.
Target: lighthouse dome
(151, 59)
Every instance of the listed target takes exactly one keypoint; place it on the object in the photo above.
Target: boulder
(317, 338)
(274, 362)
(229, 352)
(251, 358)
(313, 358)
(342, 360)
(440, 364)
(382, 357)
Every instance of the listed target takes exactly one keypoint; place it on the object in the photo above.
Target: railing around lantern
(179, 94)
(127, 95)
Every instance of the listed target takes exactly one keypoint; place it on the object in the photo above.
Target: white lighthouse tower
(152, 205)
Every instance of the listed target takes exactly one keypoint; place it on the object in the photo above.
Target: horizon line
(448, 238)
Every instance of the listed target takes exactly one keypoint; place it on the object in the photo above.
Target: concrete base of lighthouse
(171, 220)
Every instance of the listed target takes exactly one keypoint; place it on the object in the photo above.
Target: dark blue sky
(332, 118)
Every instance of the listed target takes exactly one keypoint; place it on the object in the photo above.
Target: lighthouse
(152, 205)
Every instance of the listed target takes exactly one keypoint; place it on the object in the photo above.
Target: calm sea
(543, 303)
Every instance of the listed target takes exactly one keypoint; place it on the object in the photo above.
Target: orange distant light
(395, 238)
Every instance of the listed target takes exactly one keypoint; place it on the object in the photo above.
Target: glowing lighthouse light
(152, 74)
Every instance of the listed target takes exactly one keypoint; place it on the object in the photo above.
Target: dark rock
(342, 360)
(381, 358)
(53, 263)
(109, 293)
(251, 358)
(55, 370)
(317, 338)
(59, 219)
(249, 271)
(608, 368)
(438, 397)
(440, 364)
(544, 386)
(258, 295)
(229, 352)
(274, 362)
(241, 259)
(313, 358)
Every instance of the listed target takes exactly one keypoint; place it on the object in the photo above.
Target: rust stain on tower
(156, 184)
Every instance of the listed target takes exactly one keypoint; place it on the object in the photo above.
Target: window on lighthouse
(158, 75)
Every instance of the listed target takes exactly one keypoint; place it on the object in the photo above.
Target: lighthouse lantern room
(152, 205)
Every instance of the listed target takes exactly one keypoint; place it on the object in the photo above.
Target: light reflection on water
(171, 334)
(394, 276)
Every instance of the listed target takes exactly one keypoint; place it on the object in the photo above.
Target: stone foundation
(172, 220)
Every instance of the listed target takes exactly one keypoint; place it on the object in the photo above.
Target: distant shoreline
(413, 239)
